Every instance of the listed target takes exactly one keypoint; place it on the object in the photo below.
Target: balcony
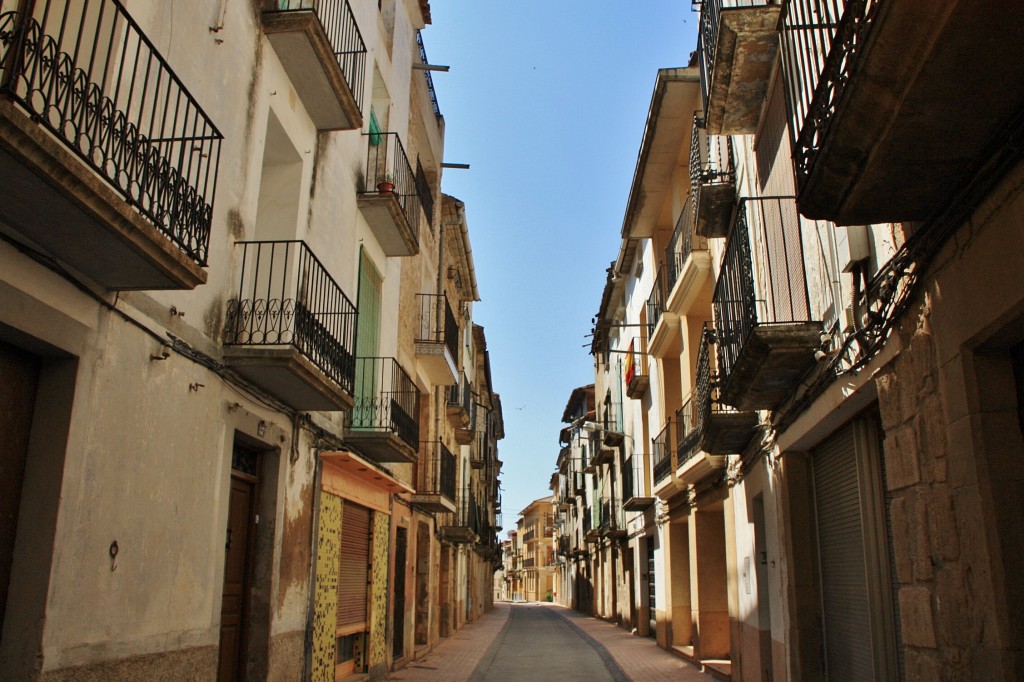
(868, 86)
(634, 485)
(389, 198)
(662, 455)
(437, 339)
(460, 403)
(290, 329)
(613, 521)
(435, 478)
(765, 331)
(723, 430)
(713, 175)
(638, 378)
(108, 163)
(603, 456)
(462, 525)
(484, 451)
(687, 268)
(320, 47)
(610, 421)
(662, 324)
(383, 423)
(736, 45)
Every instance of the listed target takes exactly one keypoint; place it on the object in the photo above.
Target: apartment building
(235, 313)
(570, 488)
(533, 540)
(815, 319)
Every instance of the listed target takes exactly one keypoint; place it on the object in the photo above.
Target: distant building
(534, 535)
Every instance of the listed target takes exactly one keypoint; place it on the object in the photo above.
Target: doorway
(398, 636)
(240, 535)
(19, 377)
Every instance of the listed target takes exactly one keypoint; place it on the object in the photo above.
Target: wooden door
(19, 376)
(238, 554)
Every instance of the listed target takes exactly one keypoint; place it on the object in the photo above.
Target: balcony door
(364, 413)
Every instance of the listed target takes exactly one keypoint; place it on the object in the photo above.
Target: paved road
(538, 644)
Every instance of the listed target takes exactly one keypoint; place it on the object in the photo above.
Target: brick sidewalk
(640, 658)
(456, 658)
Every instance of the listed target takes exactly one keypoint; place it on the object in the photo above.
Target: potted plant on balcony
(386, 183)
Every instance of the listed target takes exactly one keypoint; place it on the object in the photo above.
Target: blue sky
(547, 102)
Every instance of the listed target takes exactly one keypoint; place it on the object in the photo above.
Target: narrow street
(541, 641)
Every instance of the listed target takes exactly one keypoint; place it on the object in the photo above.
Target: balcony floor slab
(307, 56)
(773, 359)
(53, 199)
(288, 374)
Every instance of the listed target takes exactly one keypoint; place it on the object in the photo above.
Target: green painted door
(364, 415)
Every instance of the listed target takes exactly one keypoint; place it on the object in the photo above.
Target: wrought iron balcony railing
(680, 246)
(821, 40)
(87, 73)
(711, 156)
(461, 396)
(766, 235)
(467, 514)
(437, 323)
(713, 179)
(427, 76)
(661, 453)
(285, 296)
(386, 400)
(610, 418)
(436, 470)
(687, 431)
(656, 301)
(613, 521)
(388, 172)
(342, 31)
(637, 370)
(529, 535)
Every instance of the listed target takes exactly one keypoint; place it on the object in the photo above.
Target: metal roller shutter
(844, 592)
(353, 566)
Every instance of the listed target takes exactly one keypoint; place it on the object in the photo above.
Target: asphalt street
(538, 644)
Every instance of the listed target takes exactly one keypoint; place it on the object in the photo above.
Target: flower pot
(386, 187)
